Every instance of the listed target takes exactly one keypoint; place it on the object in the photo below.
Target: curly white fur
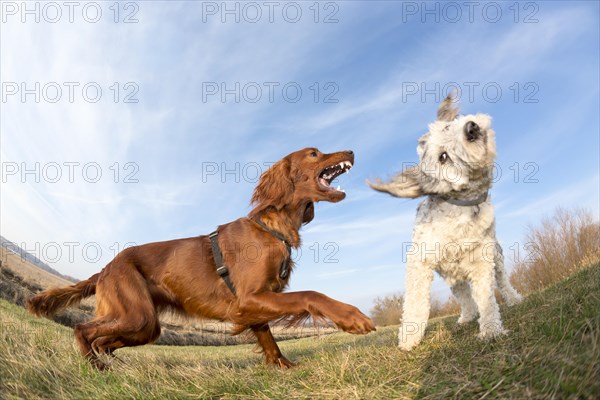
(457, 241)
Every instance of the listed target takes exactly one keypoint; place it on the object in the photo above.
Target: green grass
(552, 351)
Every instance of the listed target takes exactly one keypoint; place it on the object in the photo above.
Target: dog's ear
(422, 143)
(275, 187)
(448, 109)
(406, 184)
(309, 213)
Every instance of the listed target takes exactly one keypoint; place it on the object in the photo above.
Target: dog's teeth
(338, 188)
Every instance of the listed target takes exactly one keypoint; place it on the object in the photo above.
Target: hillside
(29, 259)
(20, 279)
(553, 351)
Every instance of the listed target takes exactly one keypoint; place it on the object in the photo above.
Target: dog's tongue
(324, 182)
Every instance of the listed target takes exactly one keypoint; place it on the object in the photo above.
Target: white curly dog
(455, 232)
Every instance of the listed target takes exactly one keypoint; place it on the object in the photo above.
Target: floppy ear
(448, 109)
(421, 146)
(275, 187)
(309, 213)
(406, 184)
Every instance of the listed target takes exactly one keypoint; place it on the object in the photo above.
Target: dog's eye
(446, 127)
(443, 157)
(313, 154)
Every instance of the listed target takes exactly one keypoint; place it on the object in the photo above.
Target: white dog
(455, 231)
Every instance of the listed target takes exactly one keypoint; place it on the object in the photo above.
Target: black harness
(218, 256)
(222, 269)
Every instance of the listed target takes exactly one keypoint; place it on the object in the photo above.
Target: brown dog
(181, 275)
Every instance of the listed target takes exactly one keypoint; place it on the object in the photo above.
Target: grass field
(553, 351)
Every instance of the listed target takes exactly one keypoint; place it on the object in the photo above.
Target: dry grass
(552, 352)
(560, 246)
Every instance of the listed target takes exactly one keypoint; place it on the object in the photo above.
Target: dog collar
(465, 203)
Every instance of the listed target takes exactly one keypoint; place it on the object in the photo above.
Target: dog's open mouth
(330, 173)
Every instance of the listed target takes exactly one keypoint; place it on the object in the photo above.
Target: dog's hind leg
(126, 315)
(85, 345)
(509, 294)
(269, 347)
(101, 337)
(419, 278)
(134, 333)
(468, 309)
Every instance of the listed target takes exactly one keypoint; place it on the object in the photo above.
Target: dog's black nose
(472, 131)
(349, 152)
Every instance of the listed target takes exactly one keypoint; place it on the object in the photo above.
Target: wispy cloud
(582, 193)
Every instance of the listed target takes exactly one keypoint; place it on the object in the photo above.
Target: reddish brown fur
(181, 275)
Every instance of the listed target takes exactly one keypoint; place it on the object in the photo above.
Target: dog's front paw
(516, 299)
(466, 318)
(281, 362)
(491, 331)
(406, 345)
(355, 322)
(410, 334)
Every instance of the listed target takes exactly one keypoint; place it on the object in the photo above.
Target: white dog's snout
(472, 131)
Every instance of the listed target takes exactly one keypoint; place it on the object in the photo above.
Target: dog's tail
(48, 302)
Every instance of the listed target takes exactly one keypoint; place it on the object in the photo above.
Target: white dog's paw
(466, 318)
(516, 299)
(406, 346)
(491, 331)
(408, 339)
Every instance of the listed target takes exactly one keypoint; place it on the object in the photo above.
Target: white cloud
(582, 193)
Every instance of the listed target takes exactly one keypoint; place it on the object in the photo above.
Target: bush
(387, 310)
(441, 309)
(560, 246)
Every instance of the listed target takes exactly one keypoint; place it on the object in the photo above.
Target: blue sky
(386, 63)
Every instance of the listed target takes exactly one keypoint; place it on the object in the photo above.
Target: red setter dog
(181, 275)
